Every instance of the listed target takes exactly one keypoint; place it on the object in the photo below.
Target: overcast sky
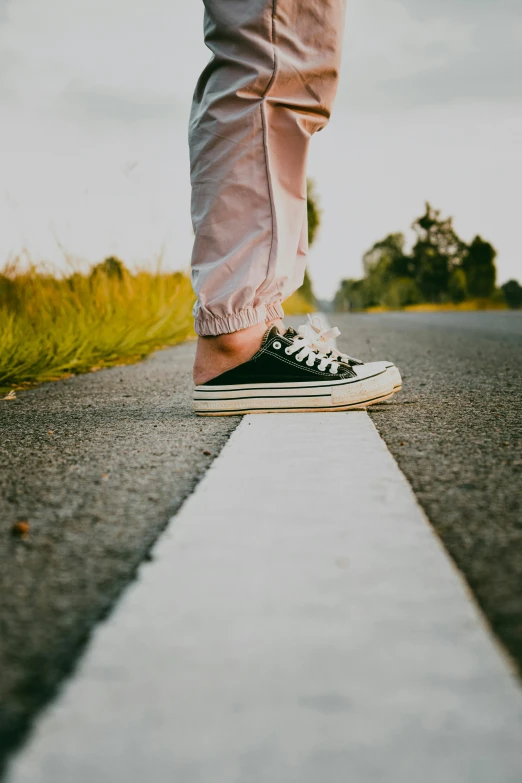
(94, 101)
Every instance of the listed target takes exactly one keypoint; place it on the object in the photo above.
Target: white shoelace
(306, 351)
(319, 338)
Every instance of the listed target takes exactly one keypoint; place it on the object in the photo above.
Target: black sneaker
(323, 340)
(287, 376)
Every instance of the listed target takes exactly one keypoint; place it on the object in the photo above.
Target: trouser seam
(265, 139)
(274, 50)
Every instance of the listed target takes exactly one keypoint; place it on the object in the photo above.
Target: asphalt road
(97, 465)
(456, 432)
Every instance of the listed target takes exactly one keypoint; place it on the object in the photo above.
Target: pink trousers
(268, 87)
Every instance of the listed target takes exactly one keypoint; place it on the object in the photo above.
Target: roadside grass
(429, 307)
(53, 327)
(297, 304)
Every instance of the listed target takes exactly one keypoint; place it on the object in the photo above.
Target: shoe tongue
(290, 333)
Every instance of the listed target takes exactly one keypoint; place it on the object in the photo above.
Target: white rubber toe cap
(380, 371)
(395, 375)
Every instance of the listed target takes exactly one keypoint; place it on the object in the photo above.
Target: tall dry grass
(297, 304)
(429, 307)
(51, 327)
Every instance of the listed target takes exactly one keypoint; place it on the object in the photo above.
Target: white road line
(300, 623)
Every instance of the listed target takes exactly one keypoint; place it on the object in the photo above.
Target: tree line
(440, 268)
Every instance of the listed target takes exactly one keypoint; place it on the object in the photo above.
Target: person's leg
(269, 86)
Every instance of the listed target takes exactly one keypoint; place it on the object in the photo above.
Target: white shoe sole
(306, 397)
(395, 377)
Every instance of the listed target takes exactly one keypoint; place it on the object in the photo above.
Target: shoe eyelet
(298, 359)
(276, 345)
(288, 351)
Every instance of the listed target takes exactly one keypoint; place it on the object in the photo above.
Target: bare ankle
(277, 322)
(216, 355)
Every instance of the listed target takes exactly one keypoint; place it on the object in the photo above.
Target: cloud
(415, 53)
(98, 62)
(476, 77)
(428, 108)
(127, 44)
(124, 59)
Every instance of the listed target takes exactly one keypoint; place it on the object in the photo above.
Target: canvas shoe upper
(323, 340)
(288, 375)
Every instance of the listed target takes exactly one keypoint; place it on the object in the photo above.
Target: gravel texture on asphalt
(456, 432)
(95, 465)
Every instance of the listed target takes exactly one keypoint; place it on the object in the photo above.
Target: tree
(388, 278)
(388, 251)
(401, 292)
(440, 268)
(440, 234)
(437, 252)
(352, 295)
(313, 212)
(512, 291)
(383, 263)
(457, 288)
(478, 265)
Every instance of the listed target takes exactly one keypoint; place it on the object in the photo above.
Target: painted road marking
(300, 623)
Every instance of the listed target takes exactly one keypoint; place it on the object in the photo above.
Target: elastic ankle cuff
(207, 325)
